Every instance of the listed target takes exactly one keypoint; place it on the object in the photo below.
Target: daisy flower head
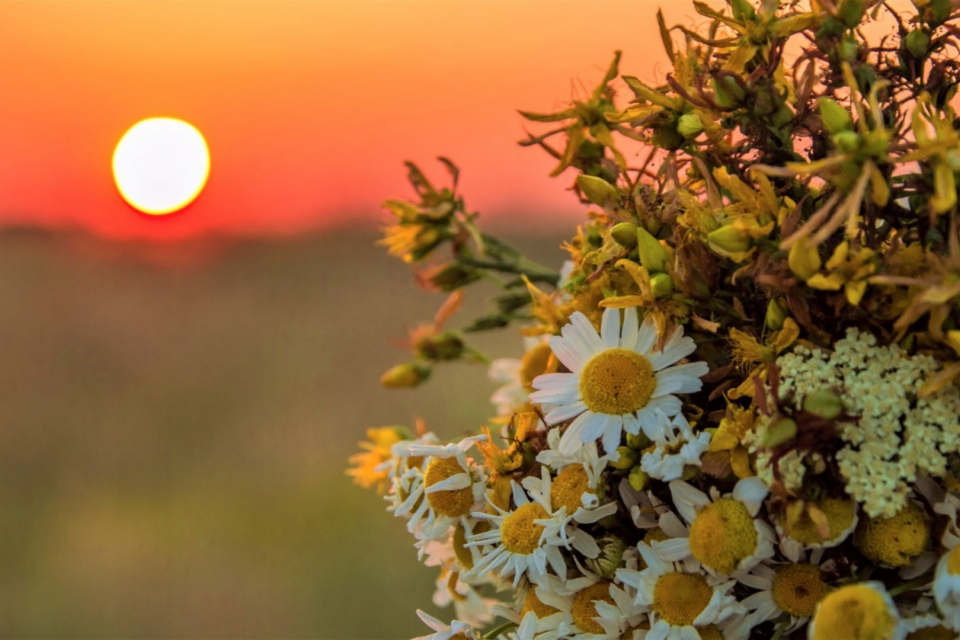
(516, 376)
(840, 514)
(680, 449)
(926, 627)
(793, 588)
(859, 610)
(725, 535)
(469, 606)
(607, 611)
(617, 380)
(577, 480)
(679, 597)
(543, 611)
(521, 542)
(446, 490)
(456, 630)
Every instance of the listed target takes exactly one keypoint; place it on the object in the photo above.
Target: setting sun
(161, 165)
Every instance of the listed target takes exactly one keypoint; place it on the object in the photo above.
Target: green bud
(775, 316)
(851, 12)
(452, 276)
(408, 375)
(598, 191)
(917, 42)
(625, 234)
(729, 240)
(780, 432)
(690, 125)
(628, 458)
(825, 404)
(653, 255)
(847, 141)
(835, 118)
(638, 478)
(733, 88)
(639, 441)
(802, 261)
(721, 97)
(662, 285)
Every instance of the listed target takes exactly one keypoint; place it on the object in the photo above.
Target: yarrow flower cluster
(735, 413)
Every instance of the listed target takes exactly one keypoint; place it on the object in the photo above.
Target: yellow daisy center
(584, 608)
(520, 534)
(533, 603)
(853, 611)
(896, 541)
(568, 487)
(797, 588)
(710, 632)
(839, 514)
(534, 363)
(723, 535)
(454, 503)
(679, 598)
(938, 632)
(953, 562)
(656, 534)
(617, 382)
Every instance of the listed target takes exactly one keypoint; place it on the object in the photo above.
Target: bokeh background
(178, 396)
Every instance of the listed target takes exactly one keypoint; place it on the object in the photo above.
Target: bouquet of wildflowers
(735, 413)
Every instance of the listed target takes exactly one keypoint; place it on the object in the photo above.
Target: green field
(175, 422)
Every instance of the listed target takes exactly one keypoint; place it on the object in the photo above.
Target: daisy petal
(610, 329)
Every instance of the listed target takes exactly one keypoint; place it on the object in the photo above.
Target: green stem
(534, 272)
(781, 629)
(908, 586)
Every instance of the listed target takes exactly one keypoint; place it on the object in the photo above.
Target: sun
(161, 165)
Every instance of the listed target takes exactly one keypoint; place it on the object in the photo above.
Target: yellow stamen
(723, 535)
(453, 503)
(853, 611)
(520, 534)
(896, 541)
(533, 603)
(568, 487)
(585, 607)
(617, 382)
(679, 598)
(797, 588)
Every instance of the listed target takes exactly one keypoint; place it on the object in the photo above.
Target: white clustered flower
(894, 436)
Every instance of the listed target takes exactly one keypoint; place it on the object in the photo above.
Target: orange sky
(309, 106)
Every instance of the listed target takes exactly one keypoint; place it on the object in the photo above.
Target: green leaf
(665, 36)
(549, 117)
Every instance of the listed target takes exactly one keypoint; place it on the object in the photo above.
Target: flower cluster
(736, 410)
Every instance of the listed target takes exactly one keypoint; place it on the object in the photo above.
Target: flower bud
(780, 432)
(847, 141)
(835, 118)
(803, 261)
(638, 479)
(917, 42)
(450, 276)
(662, 285)
(628, 458)
(823, 403)
(743, 10)
(690, 125)
(775, 316)
(597, 190)
(729, 240)
(848, 49)
(625, 234)
(653, 255)
(407, 375)
(851, 12)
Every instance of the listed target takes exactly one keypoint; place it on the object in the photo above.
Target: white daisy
(934, 624)
(522, 542)
(841, 515)
(793, 589)
(577, 480)
(453, 631)
(725, 535)
(515, 376)
(468, 605)
(681, 448)
(645, 508)
(543, 611)
(445, 491)
(617, 612)
(617, 381)
(679, 597)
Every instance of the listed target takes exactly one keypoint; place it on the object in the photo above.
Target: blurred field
(174, 430)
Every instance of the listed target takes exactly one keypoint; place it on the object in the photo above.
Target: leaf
(575, 136)
(452, 169)
(665, 36)
(549, 117)
(612, 72)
